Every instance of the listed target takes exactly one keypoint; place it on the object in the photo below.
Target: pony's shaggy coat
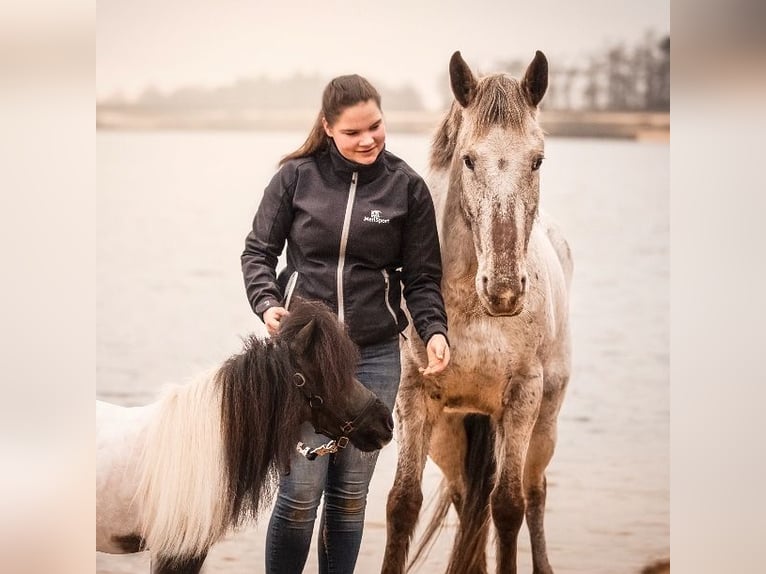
(214, 450)
(175, 475)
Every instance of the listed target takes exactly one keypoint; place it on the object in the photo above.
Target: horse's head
(493, 146)
(325, 360)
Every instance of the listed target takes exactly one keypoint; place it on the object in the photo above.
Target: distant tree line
(621, 78)
(299, 92)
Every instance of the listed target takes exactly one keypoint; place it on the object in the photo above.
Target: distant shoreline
(623, 125)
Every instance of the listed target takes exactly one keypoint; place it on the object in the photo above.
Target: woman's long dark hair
(341, 93)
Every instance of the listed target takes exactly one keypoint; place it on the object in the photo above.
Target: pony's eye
(468, 162)
(537, 163)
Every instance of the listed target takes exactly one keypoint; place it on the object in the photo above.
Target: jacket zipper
(343, 242)
(388, 303)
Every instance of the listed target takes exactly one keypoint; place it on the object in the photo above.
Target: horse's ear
(302, 341)
(462, 80)
(535, 80)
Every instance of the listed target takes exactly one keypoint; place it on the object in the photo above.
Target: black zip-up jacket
(355, 234)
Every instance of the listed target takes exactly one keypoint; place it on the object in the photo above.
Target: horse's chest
(484, 357)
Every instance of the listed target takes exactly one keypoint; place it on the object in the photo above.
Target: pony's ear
(462, 80)
(535, 80)
(302, 341)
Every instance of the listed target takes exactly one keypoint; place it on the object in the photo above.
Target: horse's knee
(403, 506)
(507, 510)
(536, 491)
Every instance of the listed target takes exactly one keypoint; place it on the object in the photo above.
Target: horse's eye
(537, 163)
(468, 162)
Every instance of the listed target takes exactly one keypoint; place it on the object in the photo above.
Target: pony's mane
(260, 421)
(260, 410)
(215, 446)
(498, 101)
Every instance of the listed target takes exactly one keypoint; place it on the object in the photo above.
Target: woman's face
(359, 132)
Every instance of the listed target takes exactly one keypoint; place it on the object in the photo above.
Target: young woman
(359, 225)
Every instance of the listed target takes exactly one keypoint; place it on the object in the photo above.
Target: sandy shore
(243, 552)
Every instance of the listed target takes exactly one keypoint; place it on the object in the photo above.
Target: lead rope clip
(323, 449)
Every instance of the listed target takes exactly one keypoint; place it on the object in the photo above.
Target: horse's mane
(499, 101)
(214, 449)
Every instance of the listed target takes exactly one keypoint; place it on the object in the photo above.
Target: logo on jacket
(375, 217)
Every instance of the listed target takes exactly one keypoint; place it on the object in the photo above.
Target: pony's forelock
(331, 347)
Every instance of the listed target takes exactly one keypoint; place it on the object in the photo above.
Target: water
(173, 210)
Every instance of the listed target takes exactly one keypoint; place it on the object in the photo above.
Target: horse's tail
(469, 548)
(435, 526)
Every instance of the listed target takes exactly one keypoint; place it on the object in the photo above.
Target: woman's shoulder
(289, 171)
(295, 164)
(397, 164)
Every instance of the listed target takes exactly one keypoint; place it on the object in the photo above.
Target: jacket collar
(344, 167)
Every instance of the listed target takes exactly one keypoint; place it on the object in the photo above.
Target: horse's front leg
(175, 565)
(415, 422)
(541, 446)
(521, 405)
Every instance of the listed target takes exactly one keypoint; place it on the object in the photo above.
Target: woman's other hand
(438, 355)
(272, 317)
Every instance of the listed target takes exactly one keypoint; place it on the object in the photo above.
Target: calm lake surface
(173, 211)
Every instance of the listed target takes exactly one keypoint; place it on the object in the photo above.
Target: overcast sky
(169, 43)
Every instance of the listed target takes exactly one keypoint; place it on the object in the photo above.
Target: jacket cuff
(261, 307)
(436, 330)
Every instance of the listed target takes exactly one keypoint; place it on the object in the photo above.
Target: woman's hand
(438, 355)
(272, 316)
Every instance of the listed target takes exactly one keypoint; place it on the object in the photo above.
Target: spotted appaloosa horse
(489, 420)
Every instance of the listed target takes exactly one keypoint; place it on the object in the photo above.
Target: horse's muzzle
(500, 300)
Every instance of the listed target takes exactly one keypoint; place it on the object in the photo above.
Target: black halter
(344, 428)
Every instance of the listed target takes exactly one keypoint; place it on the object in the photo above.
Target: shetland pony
(175, 475)
(489, 419)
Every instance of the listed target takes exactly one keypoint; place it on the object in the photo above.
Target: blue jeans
(343, 478)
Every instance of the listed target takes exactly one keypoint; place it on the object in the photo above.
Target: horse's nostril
(390, 423)
(524, 284)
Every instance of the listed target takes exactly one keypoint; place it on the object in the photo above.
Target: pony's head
(492, 146)
(325, 360)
